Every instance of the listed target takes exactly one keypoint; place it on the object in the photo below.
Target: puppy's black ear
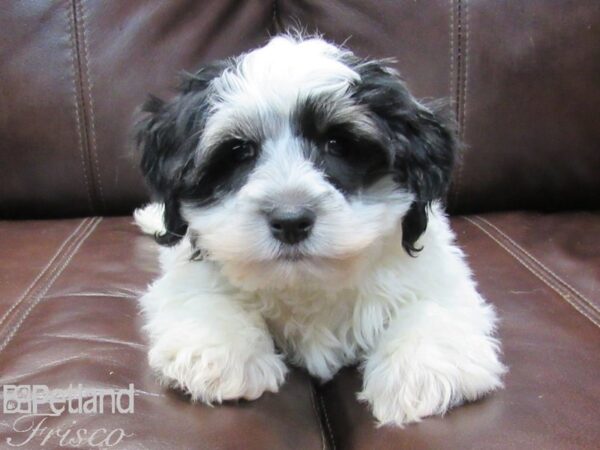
(167, 137)
(424, 162)
(162, 160)
(422, 139)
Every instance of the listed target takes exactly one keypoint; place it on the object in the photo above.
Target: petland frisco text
(36, 404)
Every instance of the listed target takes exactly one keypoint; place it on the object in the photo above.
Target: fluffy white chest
(324, 331)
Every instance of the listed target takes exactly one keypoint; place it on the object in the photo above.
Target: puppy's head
(293, 164)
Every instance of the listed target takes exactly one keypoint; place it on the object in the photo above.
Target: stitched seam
(318, 416)
(541, 264)
(92, 118)
(461, 87)
(327, 424)
(43, 284)
(58, 271)
(565, 294)
(451, 75)
(70, 252)
(452, 51)
(84, 112)
(42, 272)
(539, 275)
(564, 291)
(465, 72)
(78, 119)
(458, 74)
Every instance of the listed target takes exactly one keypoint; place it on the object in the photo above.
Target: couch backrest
(523, 77)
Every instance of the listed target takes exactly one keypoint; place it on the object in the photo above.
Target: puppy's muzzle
(291, 226)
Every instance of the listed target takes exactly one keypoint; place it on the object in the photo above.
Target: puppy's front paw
(214, 372)
(404, 388)
(401, 400)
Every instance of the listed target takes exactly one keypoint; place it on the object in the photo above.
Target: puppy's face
(291, 164)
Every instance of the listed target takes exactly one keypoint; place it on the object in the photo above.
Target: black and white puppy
(299, 190)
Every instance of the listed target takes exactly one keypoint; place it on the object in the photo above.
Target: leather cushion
(76, 320)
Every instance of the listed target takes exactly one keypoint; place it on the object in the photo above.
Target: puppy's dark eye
(335, 148)
(244, 150)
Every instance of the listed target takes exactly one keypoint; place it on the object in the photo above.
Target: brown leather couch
(524, 80)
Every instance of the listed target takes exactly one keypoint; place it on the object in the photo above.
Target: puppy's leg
(204, 342)
(433, 356)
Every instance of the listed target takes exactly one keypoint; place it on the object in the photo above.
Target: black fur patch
(167, 137)
(422, 140)
(357, 161)
(224, 170)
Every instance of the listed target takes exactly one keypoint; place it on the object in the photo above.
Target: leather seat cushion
(69, 315)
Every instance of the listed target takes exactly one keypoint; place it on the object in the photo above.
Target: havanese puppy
(299, 193)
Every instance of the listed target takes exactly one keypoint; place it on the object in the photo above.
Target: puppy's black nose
(291, 226)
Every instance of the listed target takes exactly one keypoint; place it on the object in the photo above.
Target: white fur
(422, 333)
(150, 218)
(204, 341)
(269, 82)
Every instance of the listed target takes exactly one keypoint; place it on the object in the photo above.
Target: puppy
(299, 211)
